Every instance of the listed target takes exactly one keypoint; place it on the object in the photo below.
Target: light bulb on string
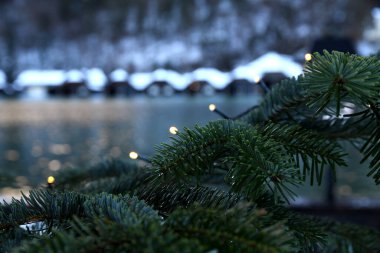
(173, 130)
(50, 180)
(308, 57)
(262, 84)
(134, 156)
(212, 107)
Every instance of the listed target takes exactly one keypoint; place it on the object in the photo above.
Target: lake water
(39, 137)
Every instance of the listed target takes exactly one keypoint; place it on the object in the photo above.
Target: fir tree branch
(310, 150)
(81, 177)
(333, 76)
(233, 230)
(286, 100)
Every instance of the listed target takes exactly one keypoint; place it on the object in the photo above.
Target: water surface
(39, 137)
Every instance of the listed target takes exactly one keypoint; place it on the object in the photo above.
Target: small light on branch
(263, 86)
(257, 79)
(308, 57)
(173, 130)
(212, 107)
(133, 155)
(50, 180)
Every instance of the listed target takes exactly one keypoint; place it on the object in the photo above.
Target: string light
(212, 107)
(173, 130)
(308, 57)
(263, 86)
(257, 79)
(50, 180)
(133, 155)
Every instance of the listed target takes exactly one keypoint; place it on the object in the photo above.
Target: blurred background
(145, 35)
(86, 80)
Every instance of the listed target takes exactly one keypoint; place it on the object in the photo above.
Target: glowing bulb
(50, 180)
(212, 107)
(308, 57)
(257, 79)
(133, 155)
(173, 130)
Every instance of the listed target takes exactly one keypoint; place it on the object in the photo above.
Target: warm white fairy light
(173, 130)
(51, 180)
(133, 155)
(308, 57)
(212, 107)
(257, 79)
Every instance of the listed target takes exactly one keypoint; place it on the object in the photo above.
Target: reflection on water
(38, 138)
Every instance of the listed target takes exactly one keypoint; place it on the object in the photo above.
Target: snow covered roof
(119, 75)
(141, 81)
(245, 72)
(268, 63)
(40, 78)
(176, 80)
(74, 76)
(3, 79)
(214, 77)
(96, 80)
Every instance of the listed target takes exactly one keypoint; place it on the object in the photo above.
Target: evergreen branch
(103, 236)
(353, 238)
(169, 196)
(233, 230)
(366, 126)
(193, 152)
(123, 183)
(124, 210)
(333, 76)
(260, 156)
(55, 208)
(81, 177)
(12, 238)
(340, 128)
(40, 205)
(255, 164)
(258, 162)
(315, 234)
(279, 104)
(310, 232)
(372, 149)
(310, 150)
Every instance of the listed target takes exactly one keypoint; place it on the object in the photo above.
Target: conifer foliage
(223, 187)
